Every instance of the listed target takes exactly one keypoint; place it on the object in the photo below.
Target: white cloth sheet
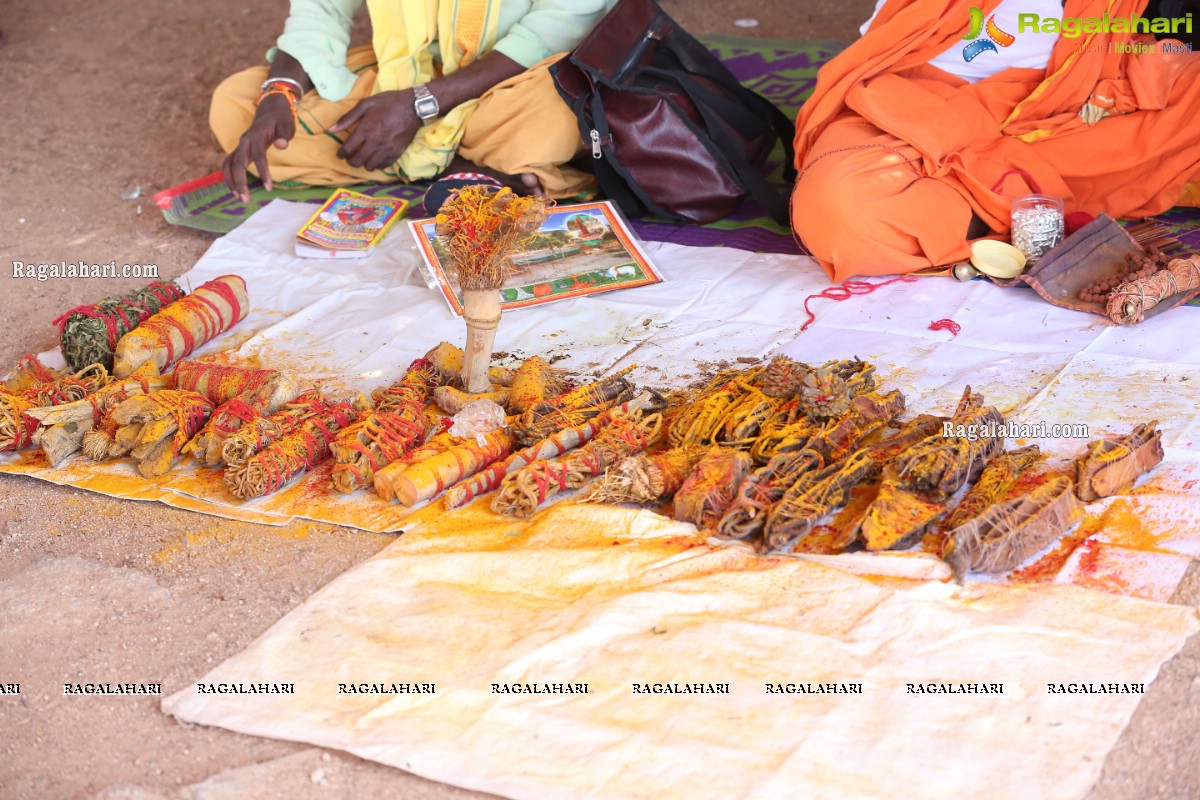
(355, 325)
(613, 597)
(610, 597)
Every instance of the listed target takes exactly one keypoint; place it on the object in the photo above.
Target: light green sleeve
(549, 27)
(317, 34)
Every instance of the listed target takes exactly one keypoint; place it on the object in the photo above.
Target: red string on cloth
(845, 290)
(945, 325)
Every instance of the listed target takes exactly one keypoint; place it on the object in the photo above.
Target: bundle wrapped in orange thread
(153, 428)
(385, 434)
(816, 494)
(180, 328)
(625, 435)
(290, 457)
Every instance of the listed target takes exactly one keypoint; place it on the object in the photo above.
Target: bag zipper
(597, 153)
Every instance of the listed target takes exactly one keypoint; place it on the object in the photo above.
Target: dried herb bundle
(89, 334)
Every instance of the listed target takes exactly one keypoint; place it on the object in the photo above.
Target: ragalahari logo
(995, 36)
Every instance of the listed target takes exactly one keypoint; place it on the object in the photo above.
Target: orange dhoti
(895, 156)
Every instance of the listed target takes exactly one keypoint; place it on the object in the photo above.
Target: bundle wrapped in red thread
(287, 459)
(241, 396)
(89, 334)
(180, 328)
(43, 388)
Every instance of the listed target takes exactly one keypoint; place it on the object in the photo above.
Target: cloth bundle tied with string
(1110, 466)
(1129, 302)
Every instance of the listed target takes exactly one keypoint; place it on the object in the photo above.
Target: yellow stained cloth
(613, 598)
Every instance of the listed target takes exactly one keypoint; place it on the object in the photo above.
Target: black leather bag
(672, 132)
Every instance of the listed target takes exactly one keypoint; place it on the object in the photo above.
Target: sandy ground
(101, 97)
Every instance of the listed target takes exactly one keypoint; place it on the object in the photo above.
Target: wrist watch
(424, 103)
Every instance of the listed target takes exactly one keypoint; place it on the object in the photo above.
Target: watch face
(425, 104)
(427, 108)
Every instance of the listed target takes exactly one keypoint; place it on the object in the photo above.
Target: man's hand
(273, 125)
(383, 125)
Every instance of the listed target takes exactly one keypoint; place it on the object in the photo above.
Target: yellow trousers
(520, 125)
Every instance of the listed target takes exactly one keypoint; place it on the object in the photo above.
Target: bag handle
(683, 47)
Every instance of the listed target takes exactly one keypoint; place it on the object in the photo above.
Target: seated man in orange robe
(919, 135)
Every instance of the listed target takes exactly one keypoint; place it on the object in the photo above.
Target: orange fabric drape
(896, 155)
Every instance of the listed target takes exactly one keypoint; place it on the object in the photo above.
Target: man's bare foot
(525, 183)
(531, 185)
(461, 172)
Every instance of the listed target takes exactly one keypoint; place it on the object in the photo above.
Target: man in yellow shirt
(446, 85)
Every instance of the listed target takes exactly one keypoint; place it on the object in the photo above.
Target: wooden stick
(447, 360)
(481, 311)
